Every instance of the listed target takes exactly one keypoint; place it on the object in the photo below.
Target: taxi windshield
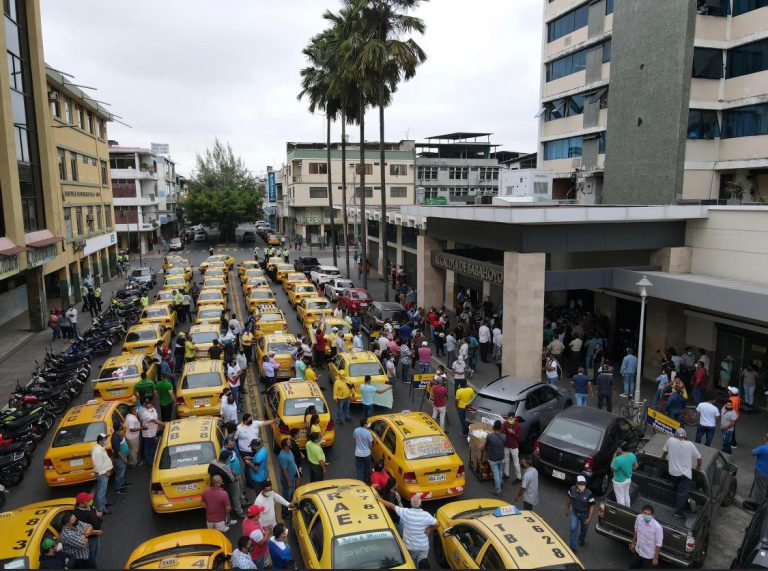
(119, 372)
(370, 550)
(270, 317)
(329, 329)
(213, 282)
(78, 434)
(165, 295)
(280, 347)
(362, 369)
(318, 305)
(204, 337)
(201, 381)
(305, 288)
(156, 312)
(261, 295)
(422, 447)
(210, 295)
(143, 335)
(209, 313)
(183, 455)
(297, 407)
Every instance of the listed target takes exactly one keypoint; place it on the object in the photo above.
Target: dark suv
(379, 312)
(753, 552)
(305, 264)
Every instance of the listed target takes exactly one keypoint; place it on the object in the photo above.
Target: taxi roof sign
(506, 510)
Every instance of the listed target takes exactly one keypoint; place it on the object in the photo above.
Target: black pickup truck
(305, 264)
(685, 540)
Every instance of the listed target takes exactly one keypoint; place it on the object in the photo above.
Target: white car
(200, 236)
(322, 274)
(335, 286)
(175, 244)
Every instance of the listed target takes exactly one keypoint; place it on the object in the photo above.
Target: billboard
(160, 149)
(272, 187)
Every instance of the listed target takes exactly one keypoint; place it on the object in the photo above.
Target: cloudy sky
(183, 72)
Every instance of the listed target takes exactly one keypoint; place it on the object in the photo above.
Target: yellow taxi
(199, 389)
(176, 282)
(226, 261)
(257, 282)
(211, 296)
(190, 549)
(273, 240)
(185, 272)
(120, 374)
(180, 469)
(208, 262)
(160, 313)
(282, 345)
(202, 337)
(492, 534)
(245, 265)
(165, 297)
(418, 454)
(24, 529)
(217, 270)
(273, 261)
(331, 323)
(172, 261)
(340, 525)
(355, 366)
(292, 278)
(251, 273)
(260, 296)
(282, 269)
(288, 400)
(210, 313)
(142, 337)
(299, 290)
(211, 282)
(270, 319)
(68, 459)
(310, 309)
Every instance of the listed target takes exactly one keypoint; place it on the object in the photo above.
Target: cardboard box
(477, 444)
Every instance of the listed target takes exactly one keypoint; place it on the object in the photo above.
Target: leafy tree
(222, 191)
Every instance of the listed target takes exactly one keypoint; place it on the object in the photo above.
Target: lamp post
(643, 284)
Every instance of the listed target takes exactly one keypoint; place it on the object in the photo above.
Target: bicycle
(634, 411)
(689, 416)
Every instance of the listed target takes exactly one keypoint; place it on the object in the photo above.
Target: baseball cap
(47, 543)
(101, 437)
(581, 479)
(681, 433)
(255, 509)
(733, 390)
(83, 497)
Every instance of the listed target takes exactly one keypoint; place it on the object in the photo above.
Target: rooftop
(69, 87)
(459, 135)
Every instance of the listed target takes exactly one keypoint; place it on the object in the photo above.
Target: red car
(354, 299)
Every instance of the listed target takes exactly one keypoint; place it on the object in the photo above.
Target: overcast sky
(183, 72)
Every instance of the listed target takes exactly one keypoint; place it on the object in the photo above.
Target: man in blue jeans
(629, 372)
(119, 457)
(580, 505)
(581, 387)
(709, 417)
(102, 466)
(363, 441)
(494, 447)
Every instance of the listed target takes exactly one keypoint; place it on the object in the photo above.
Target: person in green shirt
(316, 457)
(189, 351)
(144, 301)
(622, 465)
(145, 388)
(165, 397)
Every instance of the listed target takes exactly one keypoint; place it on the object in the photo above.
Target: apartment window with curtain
(108, 216)
(707, 63)
(102, 128)
(89, 123)
(744, 6)
(53, 96)
(318, 192)
(61, 155)
(104, 179)
(79, 228)
(81, 117)
(398, 192)
(749, 121)
(398, 170)
(567, 23)
(73, 165)
(68, 222)
(318, 168)
(749, 58)
(567, 65)
(68, 110)
(368, 169)
(703, 124)
(563, 148)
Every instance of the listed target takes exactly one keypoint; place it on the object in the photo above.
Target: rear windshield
(144, 335)
(156, 312)
(362, 369)
(209, 313)
(210, 295)
(183, 455)
(165, 295)
(575, 433)
(310, 261)
(305, 288)
(496, 406)
(329, 329)
(270, 317)
(261, 295)
(78, 434)
(423, 447)
(297, 407)
(119, 372)
(344, 284)
(201, 381)
(370, 550)
(204, 337)
(280, 348)
(318, 305)
(360, 295)
(213, 282)
(394, 315)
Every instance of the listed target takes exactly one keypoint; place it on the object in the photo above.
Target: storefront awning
(41, 238)
(8, 248)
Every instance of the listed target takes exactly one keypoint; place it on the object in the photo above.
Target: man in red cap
(86, 513)
(259, 534)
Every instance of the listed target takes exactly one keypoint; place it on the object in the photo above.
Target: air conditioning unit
(53, 96)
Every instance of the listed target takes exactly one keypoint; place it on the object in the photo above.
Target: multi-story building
(652, 102)
(304, 209)
(145, 189)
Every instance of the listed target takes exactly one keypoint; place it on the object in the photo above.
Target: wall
(652, 55)
(13, 303)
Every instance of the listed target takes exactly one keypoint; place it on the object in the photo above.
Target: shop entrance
(746, 348)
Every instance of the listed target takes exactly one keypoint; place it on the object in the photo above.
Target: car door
(550, 403)
(490, 559)
(464, 545)
(378, 428)
(306, 521)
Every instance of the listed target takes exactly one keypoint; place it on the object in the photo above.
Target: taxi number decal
(199, 563)
(557, 552)
(345, 518)
(20, 544)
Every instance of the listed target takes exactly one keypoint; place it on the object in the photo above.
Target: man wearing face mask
(647, 541)
(247, 430)
(52, 557)
(267, 498)
(580, 505)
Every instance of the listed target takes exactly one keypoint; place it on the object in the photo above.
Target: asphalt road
(132, 520)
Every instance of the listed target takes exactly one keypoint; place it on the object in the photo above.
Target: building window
(607, 51)
(489, 173)
(124, 162)
(398, 170)
(703, 124)
(61, 155)
(318, 168)
(567, 23)
(102, 128)
(749, 58)
(368, 192)
(608, 7)
(318, 192)
(565, 107)
(744, 6)
(368, 169)
(398, 191)
(713, 7)
(104, 179)
(73, 165)
(89, 122)
(53, 97)
(748, 121)
(562, 148)
(89, 219)
(79, 228)
(567, 65)
(81, 117)
(601, 143)
(707, 63)
(427, 173)
(108, 215)
(458, 173)
(68, 110)
(68, 222)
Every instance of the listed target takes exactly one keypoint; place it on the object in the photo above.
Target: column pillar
(74, 276)
(65, 289)
(486, 289)
(399, 248)
(105, 274)
(523, 314)
(429, 279)
(36, 300)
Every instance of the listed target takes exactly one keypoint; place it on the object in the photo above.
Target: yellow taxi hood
(453, 509)
(149, 555)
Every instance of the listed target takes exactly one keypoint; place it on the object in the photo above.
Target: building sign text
(482, 270)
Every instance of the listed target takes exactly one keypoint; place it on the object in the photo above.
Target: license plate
(186, 488)
(116, 392)
(487, 420)
(202, 402)
(558, 474)
(74, 463)
(437, 477)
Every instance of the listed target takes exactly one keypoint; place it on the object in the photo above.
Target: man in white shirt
(247, 430)
(233, 376)
(102, 465)
(484, 337)
(680, 455)
(149, 427)
(72, 315)
(267, 498)
(647, 540)
(416, 524)
(383, 343)
(357, 341)
(229, 410)
(709, 417)
(132, 433)
(338, 313)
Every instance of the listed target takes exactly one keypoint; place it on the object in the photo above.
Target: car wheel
(699, 561)
(437, 545)
(602, 487)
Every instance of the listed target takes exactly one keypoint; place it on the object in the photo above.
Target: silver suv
(532, 402)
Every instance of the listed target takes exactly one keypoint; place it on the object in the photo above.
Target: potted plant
(735, 192)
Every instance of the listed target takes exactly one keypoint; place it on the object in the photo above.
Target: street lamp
(643, 284)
